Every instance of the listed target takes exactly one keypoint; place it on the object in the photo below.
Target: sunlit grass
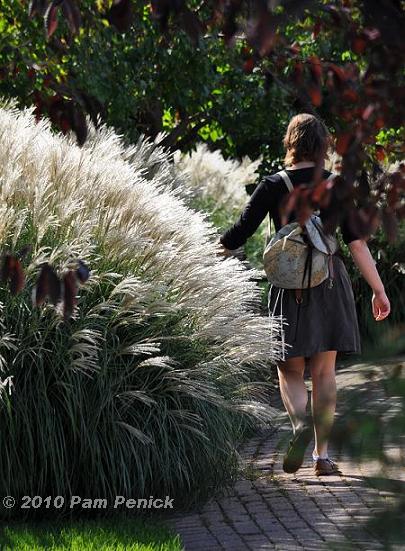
(102, 535)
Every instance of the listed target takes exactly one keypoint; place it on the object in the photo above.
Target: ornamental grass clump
(146, 388)
(209, 176)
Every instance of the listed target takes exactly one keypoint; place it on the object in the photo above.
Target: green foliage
(143, 81)
(103, 535)
(392, 140)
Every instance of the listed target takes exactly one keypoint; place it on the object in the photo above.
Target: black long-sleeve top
(266, 199)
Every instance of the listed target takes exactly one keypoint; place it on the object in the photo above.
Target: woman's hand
(223, 251)
(380, 305)
(366, 264)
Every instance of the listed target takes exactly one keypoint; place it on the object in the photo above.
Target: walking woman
(324, 321)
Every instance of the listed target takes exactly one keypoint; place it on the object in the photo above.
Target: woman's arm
(365, 263)
(250, 219)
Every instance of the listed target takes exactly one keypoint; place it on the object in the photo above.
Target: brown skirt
(325, 320)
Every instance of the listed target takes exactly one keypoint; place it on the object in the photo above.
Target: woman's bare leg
(322, 366)
(293, 390)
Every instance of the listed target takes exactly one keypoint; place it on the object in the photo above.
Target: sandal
(294, 457)
(325, 467)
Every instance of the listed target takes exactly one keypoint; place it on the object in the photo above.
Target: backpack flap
(326, 244)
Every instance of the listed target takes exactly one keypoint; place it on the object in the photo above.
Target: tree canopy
(228, 72)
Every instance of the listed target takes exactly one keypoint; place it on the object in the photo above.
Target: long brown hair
(306, 139)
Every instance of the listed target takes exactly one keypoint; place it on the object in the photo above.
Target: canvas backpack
(299, 257)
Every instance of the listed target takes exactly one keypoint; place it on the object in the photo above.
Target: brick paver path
(269, 509)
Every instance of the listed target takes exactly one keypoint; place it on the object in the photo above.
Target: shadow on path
(269, 509)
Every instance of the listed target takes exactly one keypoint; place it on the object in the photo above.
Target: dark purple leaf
(93, 107)
(390, 224)
(227, 13)
(262, 33)
(364, 186)
(51, 17)
(17, 278)
(192, 25)
(12, 272)
(297, 73)
(288, 204)
(54, 287)
(363, 221)
(268, 80)
(78, 123)
(336, 14)
(69, 294)
(40, 291)
(331, 222)
(380, 153)
(68, 115)
(48, 286)
(386, 19)
(5, 268)
(359, 44)
(58, 112)
(321, 193)
(121, 15)
(342, 190)
(248, 65)
(343, 142)
(37, 7)
(315, 94)
(72, 15)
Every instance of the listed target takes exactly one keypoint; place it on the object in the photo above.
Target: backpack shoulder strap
(286, 180)
(290, 188)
